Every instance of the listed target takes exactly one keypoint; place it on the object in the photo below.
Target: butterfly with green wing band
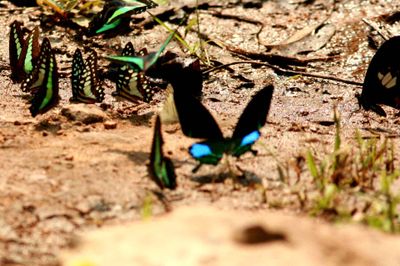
(43, 81)
(116, 13)
(23, 52)
(131, 83)
(382, 81)
(142, 62)
(85, 84)
(197, 122)
(161, 168)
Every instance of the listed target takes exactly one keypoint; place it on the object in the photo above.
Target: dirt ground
(60, 177)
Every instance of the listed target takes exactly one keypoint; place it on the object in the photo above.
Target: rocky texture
(85, 113)
(208, 236)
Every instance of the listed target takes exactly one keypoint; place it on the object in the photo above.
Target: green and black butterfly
(23, 52)
(161, 168)
(86, 87)
(116, 13)
(197, 122)
(132, 84)
(141, 62)
(42, 82)
(382, 81)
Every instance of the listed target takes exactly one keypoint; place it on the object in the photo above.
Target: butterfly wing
(16, 43)
(161, 169)
(143, 62)
(168, 114)
(252, 119)
(131, 83)
(36, 78)
(85, 85)
(150, 59)
(23, 53)
(30, 51)
(196, 121)
(46, 95)
(382, 80)
(96, 88)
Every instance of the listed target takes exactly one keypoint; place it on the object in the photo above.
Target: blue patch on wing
(200, 150)
(250, 138)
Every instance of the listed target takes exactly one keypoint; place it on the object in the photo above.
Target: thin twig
(270, 57)
(374, 27)
(234, 17)
(285, 71)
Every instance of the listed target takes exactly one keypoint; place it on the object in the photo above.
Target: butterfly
(141, 62)
(161, 168)
(23, 52)
(116, 13)
(85, 84)
(197, 122)
(132, 84)
(382, 81)
(43, 81)
(179, 75)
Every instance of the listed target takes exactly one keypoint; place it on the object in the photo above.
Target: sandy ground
(60, 177)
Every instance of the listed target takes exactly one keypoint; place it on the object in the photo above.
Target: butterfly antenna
(197, 167)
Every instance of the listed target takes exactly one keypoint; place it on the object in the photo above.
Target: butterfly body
(132, 84)
(161, 168)
(382, 80)
(23, 52)
(86, 87)
(197, 122)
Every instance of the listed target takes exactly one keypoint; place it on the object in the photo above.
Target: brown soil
(60, 177)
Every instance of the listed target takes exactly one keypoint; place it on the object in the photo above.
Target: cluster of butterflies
(197, 122)
(36, 67)
(381, 86)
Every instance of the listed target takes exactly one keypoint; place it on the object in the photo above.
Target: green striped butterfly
(85, 83)
(161, 168)
(141, 62)
(132, 84)
(23, 52)
(43, 81)
(116, 13)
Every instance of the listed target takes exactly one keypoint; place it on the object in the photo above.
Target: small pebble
(110, 124)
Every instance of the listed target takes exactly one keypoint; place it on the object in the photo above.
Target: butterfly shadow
(239, 176)
(138, 157)
(141, 120)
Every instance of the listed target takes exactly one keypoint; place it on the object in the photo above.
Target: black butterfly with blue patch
(197, 122)
(382, 81)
